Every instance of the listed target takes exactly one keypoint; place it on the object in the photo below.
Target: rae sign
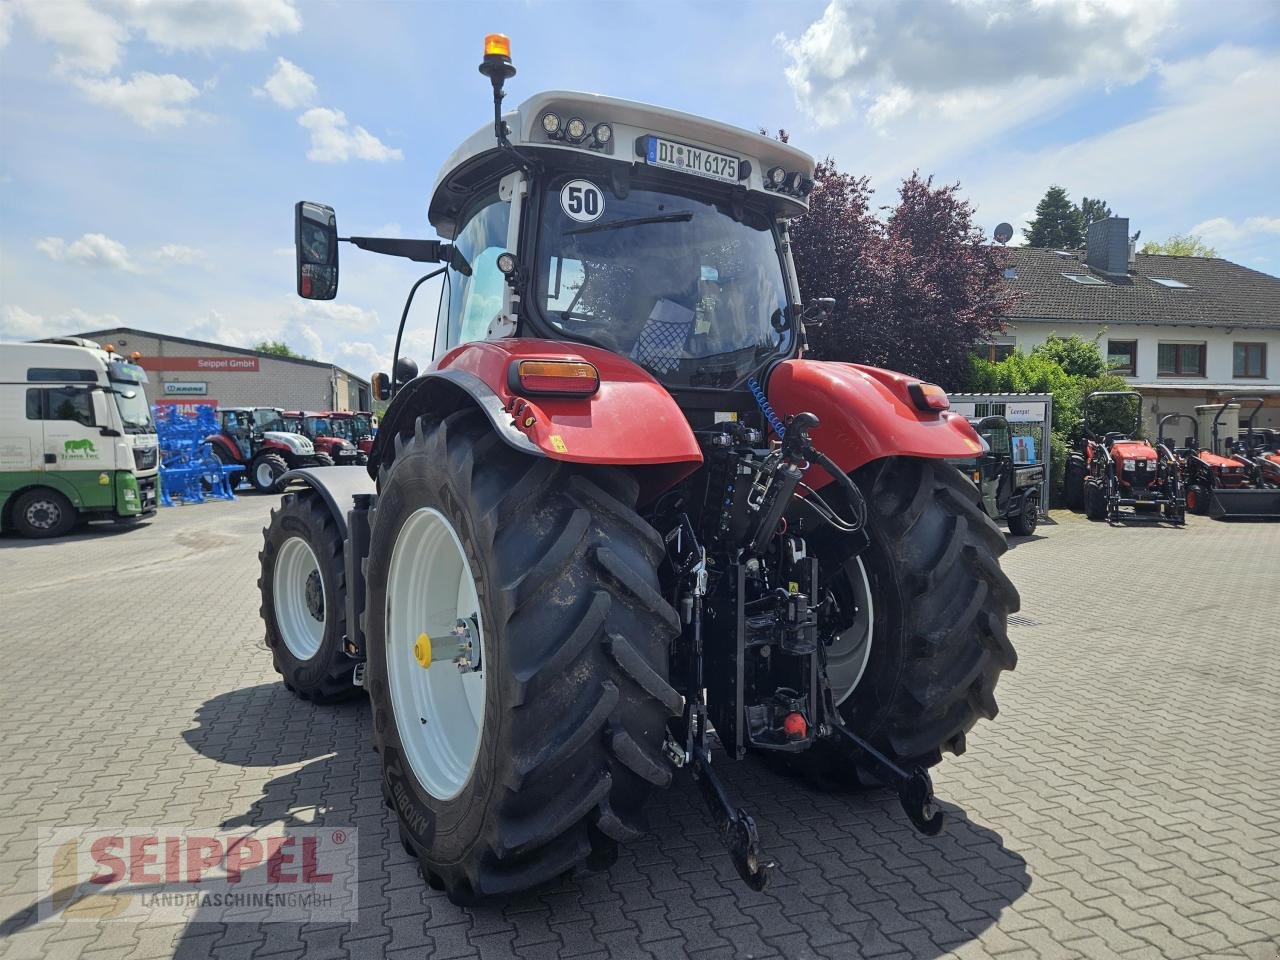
(186, 388)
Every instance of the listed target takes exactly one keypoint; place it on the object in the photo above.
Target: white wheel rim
(851, 649)
(439, 709)
(299, 617)
(265, 474)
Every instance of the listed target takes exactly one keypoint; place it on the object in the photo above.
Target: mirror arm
(422, 251)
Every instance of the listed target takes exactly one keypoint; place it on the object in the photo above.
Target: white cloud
(19, 324)
(87, 38)
(177, 253)
(92, 249)
(150, 100)
(217, 328)
(333, 142)
(289, 85)
(1221, 230)
(212, 24)
(333, 313)
(6, 19)
(887, 59)
(361, 358)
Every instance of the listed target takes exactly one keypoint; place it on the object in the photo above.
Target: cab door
(997, 466)
(73, 418)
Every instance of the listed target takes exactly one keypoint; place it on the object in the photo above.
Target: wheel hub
(315, 595)
(850, 650)
(43, 514)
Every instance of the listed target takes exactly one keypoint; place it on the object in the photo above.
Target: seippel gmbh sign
(202, 364)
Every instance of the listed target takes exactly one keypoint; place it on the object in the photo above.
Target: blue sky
(151, 151)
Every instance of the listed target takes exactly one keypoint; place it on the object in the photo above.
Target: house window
(1249, 360)
(1169, 282)
(994, 352)
(1181, 360)
(1122, 357)
(1085, 279)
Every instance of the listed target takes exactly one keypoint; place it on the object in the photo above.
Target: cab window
(997, 436)
(60, 403)
(469, 303)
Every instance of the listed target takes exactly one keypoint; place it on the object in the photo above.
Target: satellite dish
(1004, 233)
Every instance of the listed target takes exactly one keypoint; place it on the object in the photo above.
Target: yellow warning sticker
(557, 442)
(795, 587)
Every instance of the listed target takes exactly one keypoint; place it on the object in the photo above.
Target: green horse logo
(82, 446)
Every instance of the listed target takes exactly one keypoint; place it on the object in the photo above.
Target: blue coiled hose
(766, 408)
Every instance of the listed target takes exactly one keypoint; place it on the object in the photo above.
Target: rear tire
(574, 637)
(940, 638)
(304, 591)
(265, 471)
(43, 513)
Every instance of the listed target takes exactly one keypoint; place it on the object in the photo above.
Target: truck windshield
(135, 415)
(688, 292)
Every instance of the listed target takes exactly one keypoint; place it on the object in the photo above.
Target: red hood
(1132, 450)
(1210, 459)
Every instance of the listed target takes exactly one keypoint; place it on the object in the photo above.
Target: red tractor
(258, 439)
(621, 517)
(1244, 476)
(1113, 470)
(327, 437)
(358, 426)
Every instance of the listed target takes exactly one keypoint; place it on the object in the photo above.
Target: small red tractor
(328, 438)
(358, 426)
(1114, 470)
(620, 516)
(1234, 477)
(258, 439)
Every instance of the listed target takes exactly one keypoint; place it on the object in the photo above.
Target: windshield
(674, 283)
(266, 419)
(135, 415)
(319, 427)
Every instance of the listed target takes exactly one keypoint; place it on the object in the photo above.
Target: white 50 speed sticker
(582, 200)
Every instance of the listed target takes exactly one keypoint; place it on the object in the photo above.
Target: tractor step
(914, 786)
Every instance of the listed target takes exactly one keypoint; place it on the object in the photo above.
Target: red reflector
(793, 725)
(929, 396)
(574, 378)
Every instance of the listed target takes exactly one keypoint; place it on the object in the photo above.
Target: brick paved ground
(1125, 802)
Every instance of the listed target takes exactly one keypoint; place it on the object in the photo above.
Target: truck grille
(144, 458)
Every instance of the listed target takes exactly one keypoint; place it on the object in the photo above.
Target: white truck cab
(77, 441)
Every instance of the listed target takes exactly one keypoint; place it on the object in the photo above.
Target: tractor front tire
(940, 604)
(1095, 502)
(323, 460)
(265, 471)
(1073, 483)
(566, 731)
(304, 592)
(1197, 500)
(1025, 516)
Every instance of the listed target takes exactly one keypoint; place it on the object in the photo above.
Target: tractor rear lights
(551, 124)
(929, 397)
(775, 177)
(555, 378)
(601, 134)
(793, 182)
(576, 129)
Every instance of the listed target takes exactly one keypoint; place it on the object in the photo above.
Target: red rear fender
(866, 413)
(630, 421)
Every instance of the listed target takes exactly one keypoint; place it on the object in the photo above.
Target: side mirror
(315, 238)
(817, 311)
(380, 384)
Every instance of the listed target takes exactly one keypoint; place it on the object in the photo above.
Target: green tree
(278, 347)
(1077, 357)
(1181, 245)
(1057, 222)
(1091, 211)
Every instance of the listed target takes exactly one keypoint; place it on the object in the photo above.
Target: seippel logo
(79, 449)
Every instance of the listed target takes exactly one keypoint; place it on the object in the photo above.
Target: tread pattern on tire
(954, 604)
(335, 684)
(587, 685)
